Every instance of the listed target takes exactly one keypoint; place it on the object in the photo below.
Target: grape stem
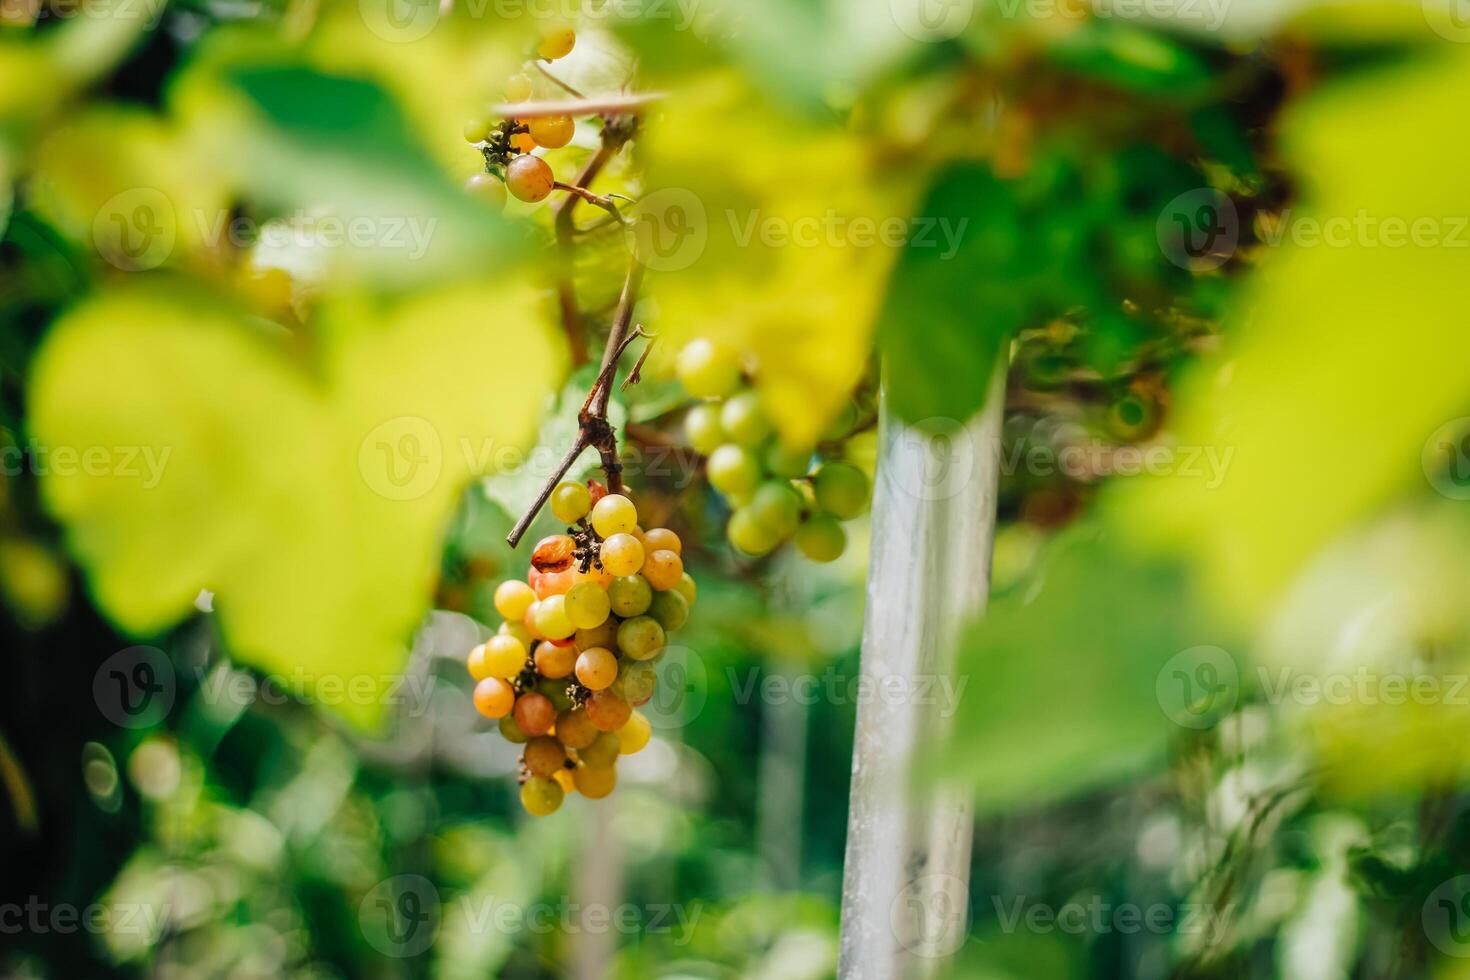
(558, 82)
(593, 428)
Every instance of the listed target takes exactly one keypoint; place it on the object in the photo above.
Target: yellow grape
(634, 735)
(557, 43)
(475, 663)
(575, 729)
(552, 132)
(595, 783)
(518, 87)
(552, 619)
(570, 501)
(505, 656)
(513, 598)
(563, 778)
(541, 796)
(494, 697)
(555, 661)
(687, 588)
(603, 751)
(662, 539)
(587, 605)
(622, 555)
(663, 569)
(614, 514)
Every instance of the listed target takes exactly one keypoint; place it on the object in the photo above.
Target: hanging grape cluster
(507, 144)
(777, 492)
(579, 648)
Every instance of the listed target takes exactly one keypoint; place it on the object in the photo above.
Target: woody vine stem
(593, 428)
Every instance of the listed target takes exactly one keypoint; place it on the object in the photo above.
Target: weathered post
(906, 873)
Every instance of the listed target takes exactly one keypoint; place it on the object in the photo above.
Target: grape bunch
(777, 491)
(510, 164)
(580, 645)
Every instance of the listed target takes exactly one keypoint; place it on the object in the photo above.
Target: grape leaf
(308, 498)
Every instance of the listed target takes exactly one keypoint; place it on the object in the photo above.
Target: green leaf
(1062, 683)
(308, 497)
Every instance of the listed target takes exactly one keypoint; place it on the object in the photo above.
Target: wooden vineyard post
(906, 875)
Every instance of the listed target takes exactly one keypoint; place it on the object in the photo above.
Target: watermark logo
(400, 21)
(1446, 917)
(1446, 459)
(1197, 687)
(932, 20)
(943, 460)
(136, 230)
(135, 688)
(399, 917)
(1450, 19)
(1198, 230)
(681, 692)
(930, 917)
(402, 458)
(668, 229)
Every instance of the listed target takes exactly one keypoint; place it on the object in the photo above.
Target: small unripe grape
(556, 43)
(614, 514)
(821, 538)
(563, 778)
(555, 661)
(541, 796)
(636, 681)
(790, 463)
(544, 755)
(475, 663)
(662, 539)
(744, 419)
(747, 533)
(595, 783)
(640, 637)
(528, 178)
(630, 595)
(733, 470)
(552, 619)
(510, 731)
(554, 690)
(602, 636)
(552, 132)
(494, 697)
(512, 599)
(575, 729)
(587, 605)
(622, 554)
(518, 87)
(670, 609)
(603, 751)
(505, 656)
(708, 369)
(633, 736)
(663, 569)
(842, 489)
(477, 127)
(570, 502)
(597, 668)
(522, 142)
(703, 430)
(608, 711)
(534, 713)
(777, 505)
(687, 588)
(488, 188)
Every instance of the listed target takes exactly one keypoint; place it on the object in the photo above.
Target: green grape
(702, 428)
(744, 419)
(552, 619)
(821, 538)
(842, 489)
(636, 681)
(478, 126)
(790, 463)
(670, 609)
(510, 731)
(603, 751)
(640, 637)
(541, 796)
(777, 505)
(841, 425)
(487, 188)
(687, 588)
(733, 470)
(708, 369)
(601, 636)
(747, 533)
(555, 691)
(570, 502)
(595, 783)
(587, 605)
(630, 596)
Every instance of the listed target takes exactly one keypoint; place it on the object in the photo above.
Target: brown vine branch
(593, 428)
